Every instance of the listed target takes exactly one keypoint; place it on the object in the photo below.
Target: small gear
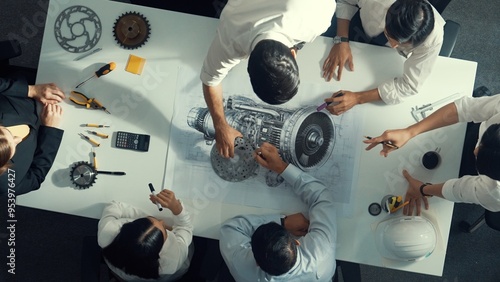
(131, 30)
(83, 175)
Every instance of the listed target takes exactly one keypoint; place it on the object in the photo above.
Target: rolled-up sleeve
(477, 109)
(417, 69)
(346, 9)
(479, 189)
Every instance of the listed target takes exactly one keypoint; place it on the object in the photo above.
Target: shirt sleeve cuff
(183, 217)
(291, 173)
(345, 11)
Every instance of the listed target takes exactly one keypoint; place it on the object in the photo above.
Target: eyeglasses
(299, 45)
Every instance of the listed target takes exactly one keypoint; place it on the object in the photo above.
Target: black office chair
(451, 29)
(440, 5)
(492, 219)
(10, 49)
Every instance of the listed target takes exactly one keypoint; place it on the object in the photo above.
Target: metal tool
(102, 135)
(419, 113)
(83, 174)
(95, 125)
(87, 54)
(100, 72)
(95, 143)
(82, 100)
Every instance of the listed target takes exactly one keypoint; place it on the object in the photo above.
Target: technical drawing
(304, 136)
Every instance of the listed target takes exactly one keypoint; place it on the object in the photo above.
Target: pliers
(82, 100)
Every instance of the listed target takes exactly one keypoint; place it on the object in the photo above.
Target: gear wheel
(131, 30)
(83, 175)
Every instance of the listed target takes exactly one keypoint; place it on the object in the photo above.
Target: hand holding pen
(390, 139)
(152, 196)
(167, 199)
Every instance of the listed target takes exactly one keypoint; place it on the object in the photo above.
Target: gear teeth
(88, 183)
(131, 30)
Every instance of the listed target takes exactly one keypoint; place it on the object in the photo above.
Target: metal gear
(83, 175)
(131, 30)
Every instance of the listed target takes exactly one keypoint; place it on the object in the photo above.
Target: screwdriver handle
(105, 69)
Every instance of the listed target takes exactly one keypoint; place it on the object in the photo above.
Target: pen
(152, 189)
(326, 104)
(95, 159)
(396, 209)
(90, 139)
(111, 172)
(87, 54)
(98, 134)
(322, 106)
(95, 125)
(387, 143)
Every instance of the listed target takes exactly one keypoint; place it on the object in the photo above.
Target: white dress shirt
(245, 23)
(175, 254)
(479, 189)
(316, 253)
(420, 59)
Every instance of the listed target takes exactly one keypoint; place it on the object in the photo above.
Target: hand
(51, 115)
(397, 137)
(267, 156)
(297, 224)
(340, 54)
(46, 93)
(413, 195)
(224, 140)
(167, 199)
(341, 102)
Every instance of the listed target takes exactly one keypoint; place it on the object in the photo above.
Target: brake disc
(242, 166)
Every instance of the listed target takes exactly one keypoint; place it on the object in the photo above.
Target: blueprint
(323, 145)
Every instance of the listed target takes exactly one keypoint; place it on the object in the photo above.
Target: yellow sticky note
(135, 64)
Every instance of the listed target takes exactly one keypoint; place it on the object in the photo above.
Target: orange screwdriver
(100, 72)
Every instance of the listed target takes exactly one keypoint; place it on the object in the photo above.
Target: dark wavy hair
(410, 21)
(488, 155)
(274, 248)
(273, 71)
(136, 249)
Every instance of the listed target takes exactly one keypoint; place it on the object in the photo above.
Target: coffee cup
(431, 160)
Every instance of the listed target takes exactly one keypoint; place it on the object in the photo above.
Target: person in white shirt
(268, 33)
(412, 27)
(138, 247)
(259, 248)
(482, 189)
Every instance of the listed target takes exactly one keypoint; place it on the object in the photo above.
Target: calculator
(132, 141)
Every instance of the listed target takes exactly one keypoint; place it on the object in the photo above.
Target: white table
(145, 104)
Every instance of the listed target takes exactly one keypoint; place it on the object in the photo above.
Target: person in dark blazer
(28, 142)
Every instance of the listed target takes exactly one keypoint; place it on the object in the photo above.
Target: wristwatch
(338, 39)
(422, 190)
(282, 220)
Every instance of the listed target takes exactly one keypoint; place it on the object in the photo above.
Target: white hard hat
(406, 238)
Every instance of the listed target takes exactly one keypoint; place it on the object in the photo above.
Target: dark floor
(49, 245)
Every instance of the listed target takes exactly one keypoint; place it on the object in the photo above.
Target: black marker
(152, 189)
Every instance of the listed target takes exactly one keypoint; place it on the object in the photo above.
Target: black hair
(488, 155)
(136, 249)
(273, 71)
(274, 248)
(410, 21)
